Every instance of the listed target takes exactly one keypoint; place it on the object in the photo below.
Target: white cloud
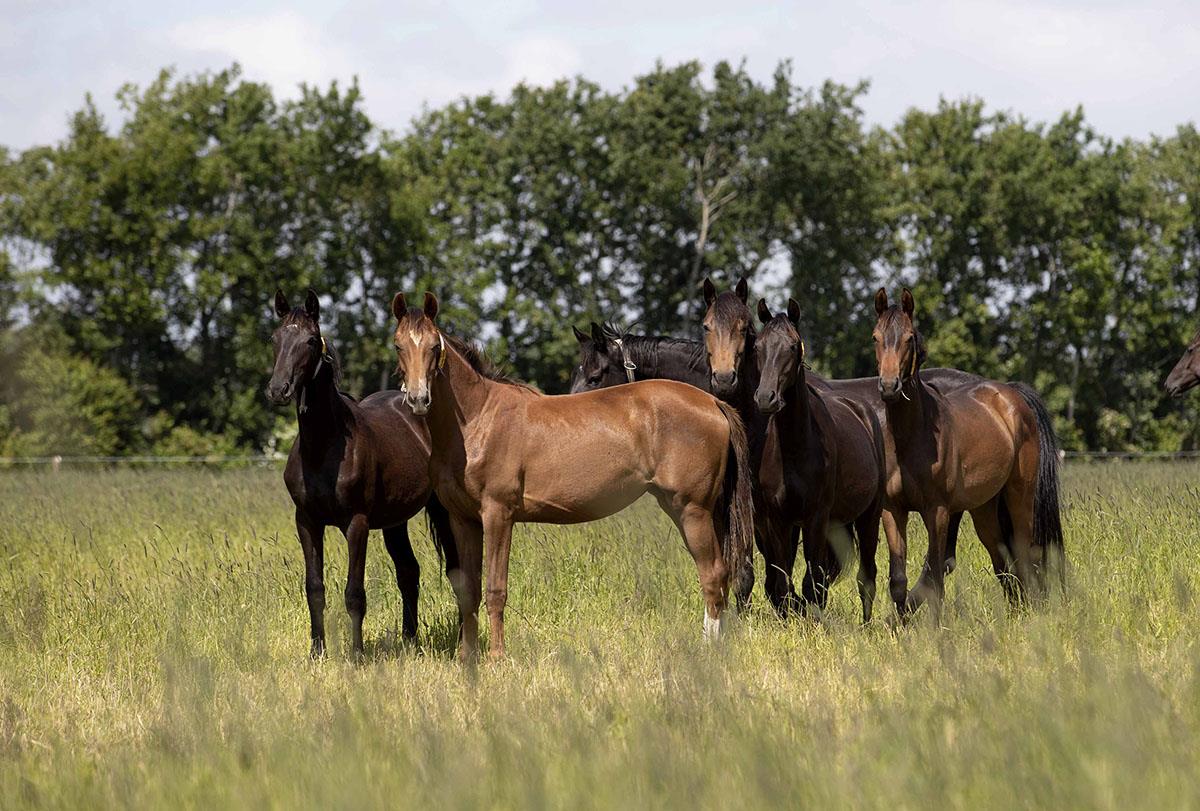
(281, 48)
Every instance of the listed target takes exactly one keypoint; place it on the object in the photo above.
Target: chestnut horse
(987, 448)
(1186, 373)
(355, 465)
(818, 457)
(505, 453)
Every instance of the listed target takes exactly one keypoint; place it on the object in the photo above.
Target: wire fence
(267, 460)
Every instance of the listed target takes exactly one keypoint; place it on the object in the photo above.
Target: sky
(1134, 67)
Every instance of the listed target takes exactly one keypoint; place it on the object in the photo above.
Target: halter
(324, 357)
(630, 366)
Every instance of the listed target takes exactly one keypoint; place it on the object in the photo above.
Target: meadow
(153, 652)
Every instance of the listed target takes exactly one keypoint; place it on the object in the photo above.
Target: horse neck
(794, 422)
(324, 413)
(667, 359)
(458, 395)
(907, 418)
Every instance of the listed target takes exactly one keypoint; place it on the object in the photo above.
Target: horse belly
(573, 500)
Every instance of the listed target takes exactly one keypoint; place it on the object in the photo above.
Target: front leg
(497, 539)
(312, 542)
(932, 585)
(357, 533)
(895, 529)
(465, 576)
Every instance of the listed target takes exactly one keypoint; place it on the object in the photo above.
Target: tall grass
(153, 641)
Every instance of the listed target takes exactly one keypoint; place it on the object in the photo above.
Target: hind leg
(1018, 497)
(696, 524)
(745, 579)
(988, 527)
(823, 567)
(895, 529)
(866, 527)
(408, 574)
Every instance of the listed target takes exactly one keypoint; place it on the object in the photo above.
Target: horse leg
(408, 574)
(465, 580)
(952, 542)
(497, 534)
(987, 526)
(866, 526)
(1018, 497)
(745, 581)
(696, 524)
(357, 533)
(779, 557)
(312, 541)
(932, 585)
(895, 529)
(814, 590)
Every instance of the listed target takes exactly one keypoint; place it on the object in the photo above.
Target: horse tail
(737, 496)
(437, 519)
(1047, 517)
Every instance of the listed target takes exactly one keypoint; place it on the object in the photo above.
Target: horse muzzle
(890, 389)
(724, 384)
(768, 402)
(280, 393)
(419, 403)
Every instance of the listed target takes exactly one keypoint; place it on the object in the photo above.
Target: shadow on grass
(437, 638)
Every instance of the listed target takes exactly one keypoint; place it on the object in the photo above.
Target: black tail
(437, 519)
(1047, 518)
(737, 497)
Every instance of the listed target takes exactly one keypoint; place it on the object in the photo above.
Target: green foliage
(1043, 252)
(60, 404)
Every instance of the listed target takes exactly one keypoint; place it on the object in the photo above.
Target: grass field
(153, 651)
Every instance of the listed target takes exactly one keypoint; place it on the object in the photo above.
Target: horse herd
(737, 440)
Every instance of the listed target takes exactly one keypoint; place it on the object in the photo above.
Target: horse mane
(643, 349)
(484, 366)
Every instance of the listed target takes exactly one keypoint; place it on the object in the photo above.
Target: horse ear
(311, 305)
(598, 336)
(431, 305)
(764, 312)
(742, 289)
(282, 307)
(794, 312)
(906, 302)
(881, 302)
(710, 292)
(399, 306)
(580, 335)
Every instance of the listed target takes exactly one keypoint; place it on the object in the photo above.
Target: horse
(986, 447)
(820, 465)
(505, 453)
(610, 357)
(1186, 373)
(818, 457)
(357, 466)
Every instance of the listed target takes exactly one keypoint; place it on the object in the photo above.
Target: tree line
(138, 262)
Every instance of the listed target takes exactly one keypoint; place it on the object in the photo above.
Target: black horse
(357, 466)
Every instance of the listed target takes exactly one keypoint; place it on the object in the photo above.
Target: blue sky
(1134, 67)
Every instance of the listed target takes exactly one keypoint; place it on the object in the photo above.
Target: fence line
(56, 462)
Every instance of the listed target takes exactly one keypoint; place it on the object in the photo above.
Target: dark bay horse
(820, 465)
(818, 457)
(987, 448)
(1186, 373)
(357, 466)
(609, 357)
(504, 453)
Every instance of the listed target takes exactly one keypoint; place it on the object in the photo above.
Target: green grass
(153, 651)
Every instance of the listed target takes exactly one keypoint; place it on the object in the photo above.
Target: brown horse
(1186, 373)
(818, 457)
(505, 453)
(357, 466)
(986, 448)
